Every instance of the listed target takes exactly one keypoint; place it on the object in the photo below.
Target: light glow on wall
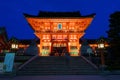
(14, 46)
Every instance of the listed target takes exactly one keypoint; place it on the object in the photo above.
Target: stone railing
(90, 62)
(27, 62)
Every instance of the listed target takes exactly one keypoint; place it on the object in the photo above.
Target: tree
(114, 35)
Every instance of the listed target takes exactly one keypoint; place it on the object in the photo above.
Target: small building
(4, 44)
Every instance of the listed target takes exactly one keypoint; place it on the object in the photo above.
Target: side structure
(59, 32)
(4, 44)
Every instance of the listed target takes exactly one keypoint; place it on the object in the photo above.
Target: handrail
(90, 62)
(27, 62)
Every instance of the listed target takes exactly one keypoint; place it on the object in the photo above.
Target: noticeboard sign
(9, 62)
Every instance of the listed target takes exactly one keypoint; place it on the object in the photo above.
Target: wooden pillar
(40, 54)
(102, 58)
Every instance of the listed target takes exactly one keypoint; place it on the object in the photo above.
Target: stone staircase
(54, 65)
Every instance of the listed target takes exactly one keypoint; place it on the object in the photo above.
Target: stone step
(58, 73)
(57, 65)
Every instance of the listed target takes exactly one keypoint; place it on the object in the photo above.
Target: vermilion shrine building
(59, 32)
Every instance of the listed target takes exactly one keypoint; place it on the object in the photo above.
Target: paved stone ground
(65, 77)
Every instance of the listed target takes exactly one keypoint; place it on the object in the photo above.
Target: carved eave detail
(38, 24)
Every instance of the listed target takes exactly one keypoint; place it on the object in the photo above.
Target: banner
(8, 62)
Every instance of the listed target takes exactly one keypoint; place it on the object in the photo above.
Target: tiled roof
(27, 41)
(59, 14)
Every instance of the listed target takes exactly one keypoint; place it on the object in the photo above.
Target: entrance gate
(59, 48)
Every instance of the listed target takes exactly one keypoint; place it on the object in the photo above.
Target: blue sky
(11, 14)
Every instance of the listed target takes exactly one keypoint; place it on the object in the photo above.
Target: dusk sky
(11, 14)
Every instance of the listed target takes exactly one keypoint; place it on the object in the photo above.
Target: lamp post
(101, 47)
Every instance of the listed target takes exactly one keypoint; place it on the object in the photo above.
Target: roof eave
(32, 16)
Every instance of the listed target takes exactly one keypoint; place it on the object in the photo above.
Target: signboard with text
(9, 62)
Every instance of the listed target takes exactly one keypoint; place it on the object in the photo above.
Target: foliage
(114, 36)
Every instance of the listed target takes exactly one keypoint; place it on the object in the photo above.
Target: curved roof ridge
(50, 14)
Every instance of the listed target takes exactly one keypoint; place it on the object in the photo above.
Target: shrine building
(59, 32)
